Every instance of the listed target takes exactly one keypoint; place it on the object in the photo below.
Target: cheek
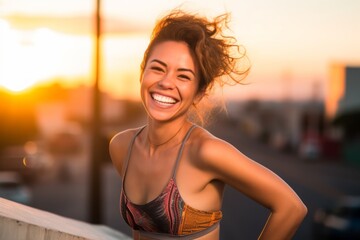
(142, 90)
(144, 82)
(189, 93)
(147, 79)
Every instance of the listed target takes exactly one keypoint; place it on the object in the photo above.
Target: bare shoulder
(220, 158)
(119, 145)
(206, 149)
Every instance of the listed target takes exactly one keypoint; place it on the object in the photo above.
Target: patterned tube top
(167, 216)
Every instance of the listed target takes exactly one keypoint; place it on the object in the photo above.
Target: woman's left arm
(229, 165)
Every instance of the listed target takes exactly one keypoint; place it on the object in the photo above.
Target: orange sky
(291, 45)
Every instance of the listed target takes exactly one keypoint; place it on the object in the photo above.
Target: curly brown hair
(216, 55)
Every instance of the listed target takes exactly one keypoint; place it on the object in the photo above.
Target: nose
(167, 81)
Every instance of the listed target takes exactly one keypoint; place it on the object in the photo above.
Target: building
(343, 107)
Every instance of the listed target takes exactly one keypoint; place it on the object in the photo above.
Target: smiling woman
(174, 171)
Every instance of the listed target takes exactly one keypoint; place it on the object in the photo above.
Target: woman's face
(169, 84)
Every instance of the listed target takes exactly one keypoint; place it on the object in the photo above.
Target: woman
(174, 171)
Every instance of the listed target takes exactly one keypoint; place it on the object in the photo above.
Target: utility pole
(95, 196)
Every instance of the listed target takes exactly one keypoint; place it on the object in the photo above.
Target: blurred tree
(18, 120)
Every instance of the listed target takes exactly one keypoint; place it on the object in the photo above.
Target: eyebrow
(179, 69)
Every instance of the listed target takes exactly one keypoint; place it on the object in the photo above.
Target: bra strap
(181, 149)
(130, 150)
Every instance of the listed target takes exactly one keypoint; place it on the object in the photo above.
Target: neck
(160, 135)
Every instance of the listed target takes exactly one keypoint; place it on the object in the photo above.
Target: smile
(163, 99)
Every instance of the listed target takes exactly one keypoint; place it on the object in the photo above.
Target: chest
(147, 176)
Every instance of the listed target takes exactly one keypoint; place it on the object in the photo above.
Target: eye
(183, 76)
(157, 68)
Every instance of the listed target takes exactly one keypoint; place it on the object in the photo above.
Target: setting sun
(28, 57)
(42, 55)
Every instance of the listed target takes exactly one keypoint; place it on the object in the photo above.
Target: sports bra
(167, 216)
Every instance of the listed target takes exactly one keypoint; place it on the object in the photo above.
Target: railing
(20, 222)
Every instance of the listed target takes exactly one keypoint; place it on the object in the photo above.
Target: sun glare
(28, 57)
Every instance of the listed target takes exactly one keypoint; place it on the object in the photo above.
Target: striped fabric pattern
(163, 214)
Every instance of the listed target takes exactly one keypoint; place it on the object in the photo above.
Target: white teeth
(163, 99)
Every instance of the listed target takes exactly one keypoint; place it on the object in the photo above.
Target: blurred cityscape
(307, 131)
(45, 143)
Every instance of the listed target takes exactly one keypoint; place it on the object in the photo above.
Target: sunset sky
(291, 44)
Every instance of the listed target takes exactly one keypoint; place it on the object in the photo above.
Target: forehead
(173, 53)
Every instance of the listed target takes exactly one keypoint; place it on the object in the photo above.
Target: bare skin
(207, 163)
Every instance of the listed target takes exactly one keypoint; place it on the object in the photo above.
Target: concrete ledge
(20, 222)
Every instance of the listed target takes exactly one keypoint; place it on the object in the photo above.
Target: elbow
(302, 210)
(293, 211)
(299, 211)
